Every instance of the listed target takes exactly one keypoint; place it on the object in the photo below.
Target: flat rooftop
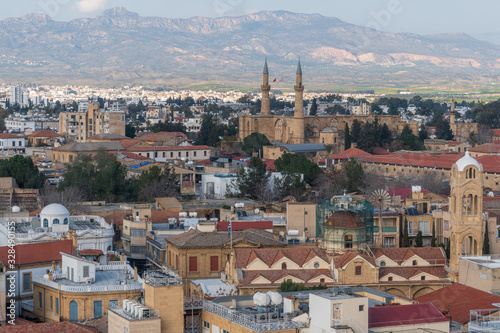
(105, 278)
(491, 262)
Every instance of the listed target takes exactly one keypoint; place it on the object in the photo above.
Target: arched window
(283, 265)
(382, 264)
(65, 221)
(348, 241)
(45, 223)
(55, 221)
(414, 263)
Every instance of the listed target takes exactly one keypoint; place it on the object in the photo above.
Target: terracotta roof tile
(38, 252)
(270, 256)
(159, 216)
(44, 134)
(242, 225)
(433, 255)
(409, 272)
(274, 275)
(344, 259)
(196, 239)
(399, 315)
(63, 327)
(459, 299)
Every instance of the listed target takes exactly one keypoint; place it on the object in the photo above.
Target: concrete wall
(169, 301)
(296, 218)
(117, 324)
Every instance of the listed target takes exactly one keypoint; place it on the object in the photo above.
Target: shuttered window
(193, 264)
(214, 264)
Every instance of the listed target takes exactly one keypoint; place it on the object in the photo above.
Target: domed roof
(55, 209)
(345, 219)
(466, 161)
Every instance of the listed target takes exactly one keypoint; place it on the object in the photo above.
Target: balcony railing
(249, 321)
(87, 288)
(389, 229)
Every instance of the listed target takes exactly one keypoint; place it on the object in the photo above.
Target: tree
(254, 143)
(356, 129)
(157, 183)
(406, 238)
(419, 241)
(298, 164)
(130, 131)
(422, 133)
(443, 130)
(252, 182)
(406, 131)
(355, 176)
(347, 137)
(486, 241)
(23, 170)
(314, 108)
(433, 240)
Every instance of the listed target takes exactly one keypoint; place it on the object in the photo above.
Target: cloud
(90, 6)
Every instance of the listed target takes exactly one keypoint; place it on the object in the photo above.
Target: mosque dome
(55, 209)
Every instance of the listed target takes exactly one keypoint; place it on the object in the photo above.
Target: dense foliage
(254, 143)
(297, 164)
(23, 170)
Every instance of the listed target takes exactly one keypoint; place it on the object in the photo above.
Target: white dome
(16, 209)
(55, 209)
(466, 161)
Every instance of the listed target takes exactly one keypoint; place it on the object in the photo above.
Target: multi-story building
(83, 289)
(31, 260)
(16, 94)
(14, 142)
(81, 125)
(55, 222)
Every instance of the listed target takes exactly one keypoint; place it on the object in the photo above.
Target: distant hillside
(121, 47)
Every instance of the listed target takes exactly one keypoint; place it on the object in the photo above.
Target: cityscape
(237, 167)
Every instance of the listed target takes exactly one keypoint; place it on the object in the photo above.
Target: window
(194, 154)
(27, 281)
(137, 232)
(283, 265)
(205, 153)
(187, 154)
(86, 271)
(358, 270)
(422, 278)
(224, 331)
(390, 278)
(179, 154)
(45, 223)
(65, 220)
(214, 264)
(13, 143)
(382, 264)
(424, 227)
(51, 305)
(193, 264)
(97, 309)
(57, 305)
(316, 265)
(348, 241)
(322, 280)
(414, 263)
(40, 300)
(20, 143)
(206, 325)
(55, 221)
(138, 249)
(113, 304)
(361, 308)
(171, 154)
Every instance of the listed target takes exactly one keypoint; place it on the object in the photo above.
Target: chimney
(123, 257)
(64, 237)
(135, 273)
(51, 277)
(53, 265)
(75, 240)
(70, 234)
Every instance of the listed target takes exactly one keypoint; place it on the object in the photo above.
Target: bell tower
(466, 210)
(265, 108)
(299, 121)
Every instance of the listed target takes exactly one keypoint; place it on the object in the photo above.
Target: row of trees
(103, 177)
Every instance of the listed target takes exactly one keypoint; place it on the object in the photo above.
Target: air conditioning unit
(261, 317)
(125, 304)
(144, 312)
(89, 280)
(273, 316)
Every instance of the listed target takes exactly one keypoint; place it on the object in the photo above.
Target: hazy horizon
(398, 16)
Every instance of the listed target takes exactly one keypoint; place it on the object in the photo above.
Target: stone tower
(299, 121)
(265, 108)
(466, 208)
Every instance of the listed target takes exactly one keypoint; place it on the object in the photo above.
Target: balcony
(389, 229)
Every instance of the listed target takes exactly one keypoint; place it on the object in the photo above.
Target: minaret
(265, 108)
(299, 128)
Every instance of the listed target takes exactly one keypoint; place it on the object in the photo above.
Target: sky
(477, 18)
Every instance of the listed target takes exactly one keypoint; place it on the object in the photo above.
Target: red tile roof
(241, 225)
(269, 256)
(116, 217)
(38, 252)
(10, 136)
(344, 259)
(163, 215)
(345, 219)
(273, 275)
(496, 131)
(36, 211)
(44, 134)
(269, 164)
(171, 148)
(136, 156)
(403, 192)
(487, 148)
(350, 153)
(128, 142)
(63, 327)
(399, 315)
(433, 255)
(459, 299)
(90, 252)
(409, 272)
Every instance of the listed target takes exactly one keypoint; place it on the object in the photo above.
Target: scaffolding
(344, 222)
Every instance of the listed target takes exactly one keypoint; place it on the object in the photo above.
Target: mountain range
(120, 47)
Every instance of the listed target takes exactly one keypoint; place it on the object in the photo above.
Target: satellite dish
(380, 199)
(257, 211)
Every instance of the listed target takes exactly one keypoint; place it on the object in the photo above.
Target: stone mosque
(300, 128)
